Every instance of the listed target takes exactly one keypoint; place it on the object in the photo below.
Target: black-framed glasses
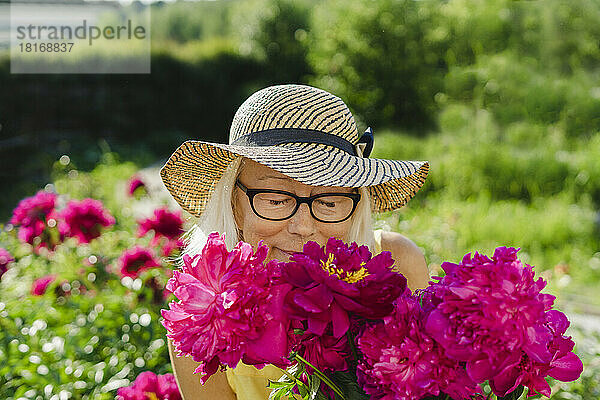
(277, 205)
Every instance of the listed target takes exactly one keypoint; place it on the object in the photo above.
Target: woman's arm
(189, 383)
(410, 261)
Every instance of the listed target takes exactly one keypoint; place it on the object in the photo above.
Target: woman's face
(287, 236)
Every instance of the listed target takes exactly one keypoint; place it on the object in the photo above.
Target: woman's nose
(302, 223)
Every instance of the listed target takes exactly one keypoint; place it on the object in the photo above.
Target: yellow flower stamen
(346, 276)
(151, 395)
(355, 276)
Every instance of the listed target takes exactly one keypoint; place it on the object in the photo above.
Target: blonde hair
(219, 216)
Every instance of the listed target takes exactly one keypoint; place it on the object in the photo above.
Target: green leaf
(277, 384)
(321, 375)
(514, 395)
(315, 384)
(347, 382)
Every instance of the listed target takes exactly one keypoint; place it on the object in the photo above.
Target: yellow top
(250, 383)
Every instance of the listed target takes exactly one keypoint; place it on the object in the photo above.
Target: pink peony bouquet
(344, 325)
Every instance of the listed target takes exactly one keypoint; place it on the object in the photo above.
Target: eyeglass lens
(280, 206)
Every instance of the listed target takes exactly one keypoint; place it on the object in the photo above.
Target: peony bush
(83, 270)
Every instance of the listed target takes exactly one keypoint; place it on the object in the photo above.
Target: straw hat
(303, 132)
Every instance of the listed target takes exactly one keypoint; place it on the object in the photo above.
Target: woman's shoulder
(394, 241)
(409, 258)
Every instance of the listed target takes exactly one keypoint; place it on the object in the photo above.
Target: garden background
(502, 97)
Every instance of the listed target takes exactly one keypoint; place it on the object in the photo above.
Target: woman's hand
(216, 388)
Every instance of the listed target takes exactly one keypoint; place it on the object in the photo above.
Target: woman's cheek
(257, 229)
(339, 230)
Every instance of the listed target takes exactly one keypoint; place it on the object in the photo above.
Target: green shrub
(84, 346)
(561, 35)
(274, 32)
(473, 28)
(183, 21)
(383, 58)
(479, 158)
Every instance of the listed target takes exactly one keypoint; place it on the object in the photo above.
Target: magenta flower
(565, 365)
(41, 284)
(84, 219)
(133, 261)
(5, 259)
(167, 227)
(134, 184)
(32, 215)
(331, 281)
(228, 308)
(169, 246)
(491, 314)
(326, 352)
(149, 386)
(163, 223)
(401, 361)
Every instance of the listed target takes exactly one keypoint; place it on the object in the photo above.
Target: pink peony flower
(5, 259)
(401, 361)
(133, 261)
(134, 184)
(491, 314)
(167, 227)
(326, 352)
(149, 386)
(163, 223)
(41, 284)
(228, 308)
(32, 215)
(336, 279)
(84, 219)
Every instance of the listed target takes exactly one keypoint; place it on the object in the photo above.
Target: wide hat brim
(193, 170)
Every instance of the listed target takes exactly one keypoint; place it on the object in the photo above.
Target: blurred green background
(501, 96)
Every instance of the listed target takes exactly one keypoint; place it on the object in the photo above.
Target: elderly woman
(295, 170)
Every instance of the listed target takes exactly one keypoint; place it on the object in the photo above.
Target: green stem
(322, 376)
(293, 378)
